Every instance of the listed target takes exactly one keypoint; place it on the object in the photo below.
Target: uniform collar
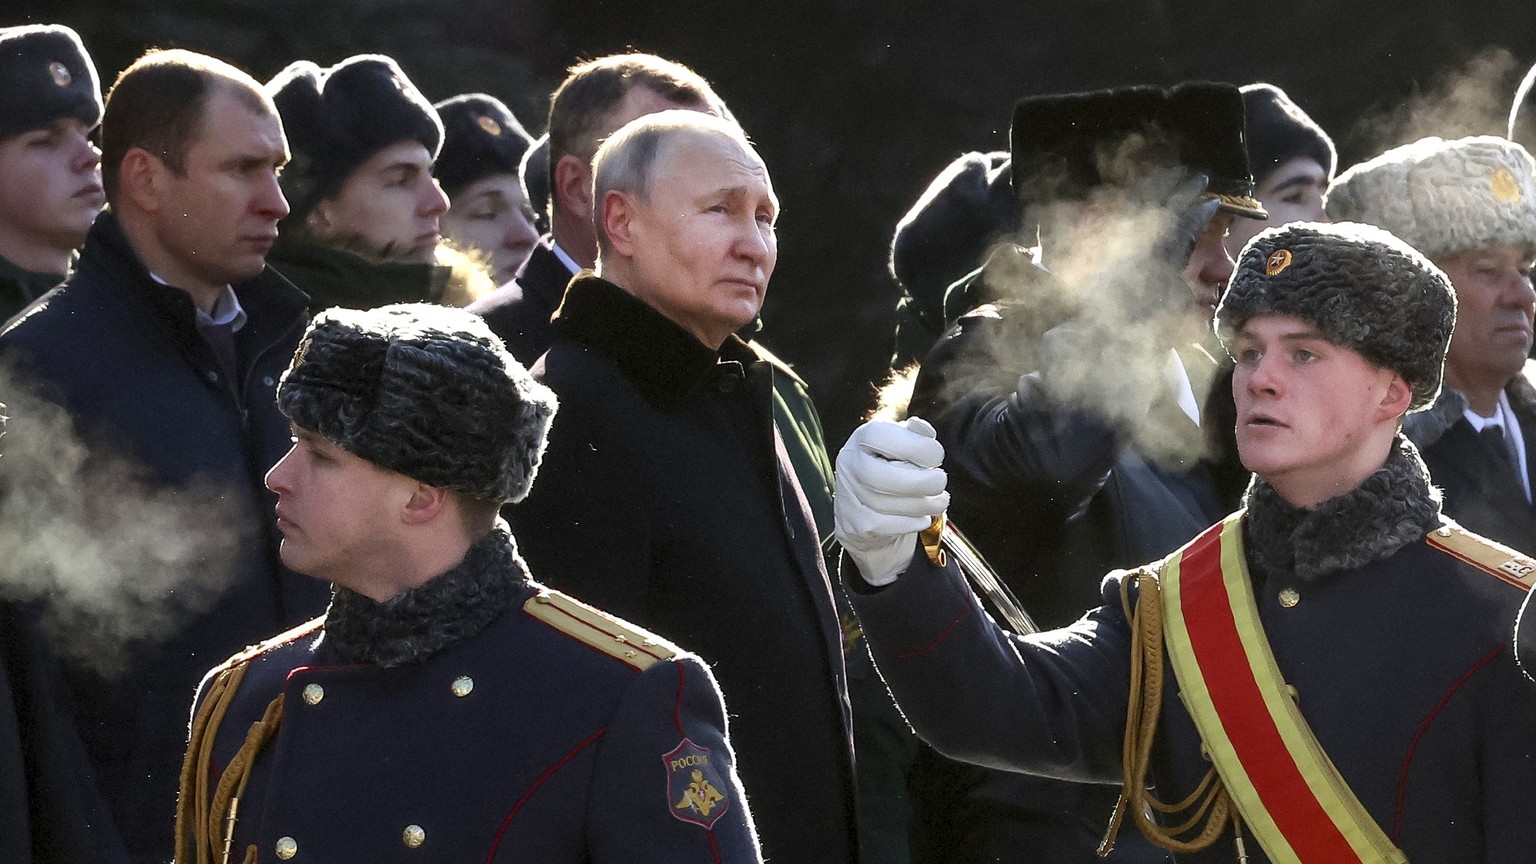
(661, 360)
(443, 612)
(1392, 508)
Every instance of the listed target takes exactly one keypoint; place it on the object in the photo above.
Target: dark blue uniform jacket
(1399, 651)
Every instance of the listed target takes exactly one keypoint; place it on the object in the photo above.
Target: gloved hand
(889, 488)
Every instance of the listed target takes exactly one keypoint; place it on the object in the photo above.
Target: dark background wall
(856, 104)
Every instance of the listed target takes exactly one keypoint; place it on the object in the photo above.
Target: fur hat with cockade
(1443, 197)
(1363, 288)
(47, 75)
(481, 137)
(423, 390)
(337, 118)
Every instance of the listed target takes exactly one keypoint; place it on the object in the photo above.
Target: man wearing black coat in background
(667, 496)
(164, 350)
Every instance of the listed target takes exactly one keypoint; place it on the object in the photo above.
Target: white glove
(889, 488)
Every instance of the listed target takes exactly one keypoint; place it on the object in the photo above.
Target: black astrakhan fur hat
(1065, 145)
(481, 137)
(47, 75)
(427, 391)
(1361, 286)
(337, 118)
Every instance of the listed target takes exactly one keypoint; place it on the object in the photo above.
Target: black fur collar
(661, 360)
(424, 620)
(1394, 507)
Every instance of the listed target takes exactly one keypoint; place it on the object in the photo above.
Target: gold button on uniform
(462, 686)
(286, 848)
(414, 836)
(1290, 597)
(313, 693)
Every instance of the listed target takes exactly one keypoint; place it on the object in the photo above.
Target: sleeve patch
(695, 792)
(1486, 555)
(599, 630)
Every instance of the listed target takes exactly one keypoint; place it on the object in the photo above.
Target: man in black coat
(164, 351)
(1470, 205)
(447, 707)
(666, 496)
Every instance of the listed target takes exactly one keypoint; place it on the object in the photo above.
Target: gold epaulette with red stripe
(599, 630)
(1484, 554)
(251, 652)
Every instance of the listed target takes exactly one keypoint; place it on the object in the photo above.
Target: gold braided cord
(1209, 807)
(192, 800)
(206, 823)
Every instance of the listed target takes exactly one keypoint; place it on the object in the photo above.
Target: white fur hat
(1443, 197)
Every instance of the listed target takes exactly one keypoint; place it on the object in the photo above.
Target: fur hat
(337, 118)
(1442, 196)
(481, 137)
(1065, 145)
(424, 390)
(47, 75)
(1279, 131)
(946, 233)
(1362, 287)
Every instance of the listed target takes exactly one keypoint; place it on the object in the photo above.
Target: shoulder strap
(1288, 791)
(599, 630)
(1492, 558)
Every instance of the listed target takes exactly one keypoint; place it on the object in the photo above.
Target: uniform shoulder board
(1484, 554)
(599, 630)
(251, 652)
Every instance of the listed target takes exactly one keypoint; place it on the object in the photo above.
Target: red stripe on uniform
(1207, 611)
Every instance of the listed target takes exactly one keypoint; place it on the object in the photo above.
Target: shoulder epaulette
(251, 652)
(1484, 554)
(599, 630)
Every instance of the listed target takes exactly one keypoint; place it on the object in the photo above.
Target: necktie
(1493, 437)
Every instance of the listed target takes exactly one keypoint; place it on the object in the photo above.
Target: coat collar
(661, 360)
(1392, 508)
(272, 303)
(443, 612)
(332, 277)
(1425, 427)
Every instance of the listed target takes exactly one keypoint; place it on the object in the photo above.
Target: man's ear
(1396, 399)
(617, 218)
(573, 185)
(141, 180)
(424, 504)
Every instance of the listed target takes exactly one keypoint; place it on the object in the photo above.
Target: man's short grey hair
(626, 162)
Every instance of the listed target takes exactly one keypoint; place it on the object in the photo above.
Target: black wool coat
(519, 311)
(666, 497)
(121, 354)
(1480, 490)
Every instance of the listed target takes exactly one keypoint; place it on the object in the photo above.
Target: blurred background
(856, 104)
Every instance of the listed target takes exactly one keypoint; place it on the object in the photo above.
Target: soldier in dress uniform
(1326, 675)
(447, 707)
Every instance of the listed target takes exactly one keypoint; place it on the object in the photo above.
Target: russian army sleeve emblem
(695, 791)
